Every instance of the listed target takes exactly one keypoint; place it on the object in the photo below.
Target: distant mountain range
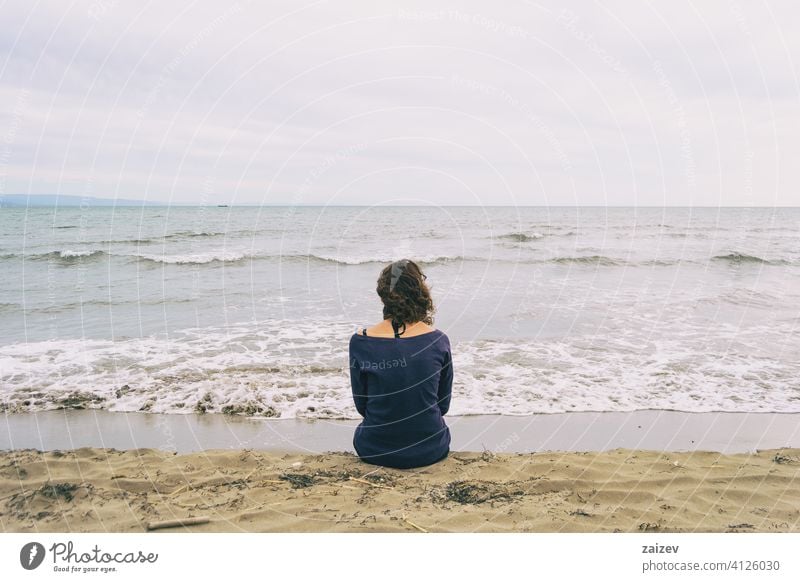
(23, 200)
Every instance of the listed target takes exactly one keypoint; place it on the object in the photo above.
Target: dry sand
(98, 490)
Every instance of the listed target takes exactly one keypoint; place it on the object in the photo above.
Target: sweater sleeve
(446, 380)
(358, 382)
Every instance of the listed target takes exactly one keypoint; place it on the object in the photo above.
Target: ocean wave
(532, 236)
(138, 241)
(64, 257)
(67, 256)
(664, 262)
(199, 259)
(742, 258)
(603, 261)
(351, 260)
(180, 235)
(63, 307)
(237, 257)
(598, 260)
(194, 233)
(521, 236)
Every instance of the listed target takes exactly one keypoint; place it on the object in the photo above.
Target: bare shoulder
(383, 329)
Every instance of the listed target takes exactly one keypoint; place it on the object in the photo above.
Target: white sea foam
(69, 254)
(292, 369)
(196, 259)
(385, 257)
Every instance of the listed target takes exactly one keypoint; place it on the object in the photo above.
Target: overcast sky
(624, 103)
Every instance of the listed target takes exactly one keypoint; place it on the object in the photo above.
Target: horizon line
(460, 205)
(134, 203)
(153, 204)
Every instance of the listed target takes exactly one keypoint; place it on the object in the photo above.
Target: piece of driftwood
(369, 483)
(177, 522)
(178, 490)
(414, 525)
(250, 474)
(371, 472)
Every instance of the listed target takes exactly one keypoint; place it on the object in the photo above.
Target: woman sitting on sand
(401, 374)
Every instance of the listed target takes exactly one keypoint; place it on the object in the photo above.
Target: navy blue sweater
(402, 387)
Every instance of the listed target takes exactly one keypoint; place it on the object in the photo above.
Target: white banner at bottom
(390, 556)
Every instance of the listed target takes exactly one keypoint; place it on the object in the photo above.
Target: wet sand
(656, 430)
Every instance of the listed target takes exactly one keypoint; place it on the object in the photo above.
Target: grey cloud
(513, 102)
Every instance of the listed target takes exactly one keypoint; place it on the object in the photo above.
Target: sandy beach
(106, 490)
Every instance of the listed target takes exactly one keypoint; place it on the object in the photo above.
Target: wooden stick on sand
(177, 522)
(178, 490)
(414, 525)
(369, 483)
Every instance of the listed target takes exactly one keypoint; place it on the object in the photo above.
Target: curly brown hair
(405, 295)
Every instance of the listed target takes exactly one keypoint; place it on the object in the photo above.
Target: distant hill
(23, 200)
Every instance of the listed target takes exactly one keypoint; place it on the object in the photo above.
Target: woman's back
(402, 387)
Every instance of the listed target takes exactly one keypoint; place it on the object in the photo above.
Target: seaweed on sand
(473, 492)
(56, 490)
(299, 480)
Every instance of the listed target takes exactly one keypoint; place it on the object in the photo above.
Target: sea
(249, 310)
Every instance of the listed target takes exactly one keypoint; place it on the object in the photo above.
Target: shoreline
(659, 430)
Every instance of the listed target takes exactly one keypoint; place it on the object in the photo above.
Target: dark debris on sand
(204, 404)
(56, 490)
(35, 504)
(783, 459)
(337, 476)
(299, 480)
(303, 480)
(78, 400)
(251, 409)
(474, 492)
(486, 456)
